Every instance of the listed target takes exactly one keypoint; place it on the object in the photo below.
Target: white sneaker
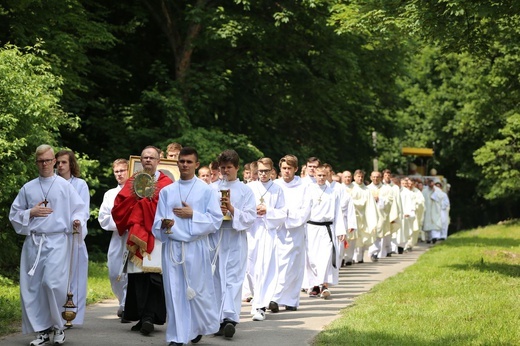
(42, 338)
(59, 337)
(325, 293)
(259, 316)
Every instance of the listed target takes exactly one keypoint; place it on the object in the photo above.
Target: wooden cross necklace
(45, 201)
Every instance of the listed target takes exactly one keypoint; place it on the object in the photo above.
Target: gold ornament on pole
(69, 314)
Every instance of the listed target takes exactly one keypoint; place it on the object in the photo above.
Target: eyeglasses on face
(44, 162)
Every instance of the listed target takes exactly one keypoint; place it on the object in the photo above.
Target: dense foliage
(308, 77)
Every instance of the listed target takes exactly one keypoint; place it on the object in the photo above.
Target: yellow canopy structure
(417, 151)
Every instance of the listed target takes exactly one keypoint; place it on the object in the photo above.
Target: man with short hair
(205, 174)
(291, 237)
(117, 247)
(347, 180)
(187, 212)
(46, 211)
(134, 210)
(310, 169)
(366, 216)
(387, 213)
(432, 225)
(215, 172)
(262, 254)
(230, 241)
(172, 151)
(326, 230)
(246, 173)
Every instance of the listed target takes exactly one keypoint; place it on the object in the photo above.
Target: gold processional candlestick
(225, 194)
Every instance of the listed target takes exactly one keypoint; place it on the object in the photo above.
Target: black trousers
(145, 298)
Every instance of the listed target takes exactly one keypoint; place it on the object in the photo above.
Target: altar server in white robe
(229, 243)
(68, 168)
(291, 237)
(46, 210)
(271, 215)
(326, 230)
(191, 210)
(117, 246)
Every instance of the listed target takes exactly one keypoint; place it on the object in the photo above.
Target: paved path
(285, 328)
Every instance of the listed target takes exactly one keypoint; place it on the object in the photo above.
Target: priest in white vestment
(45, 211)
(432, 225)
(387, 214)
(366, 216)
(190, 209)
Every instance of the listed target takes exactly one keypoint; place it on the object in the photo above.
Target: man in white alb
(291, 237)
(117, 247)
(190, 210)
(46, 211)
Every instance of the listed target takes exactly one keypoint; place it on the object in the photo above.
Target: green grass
(464, 291)
(10, 311)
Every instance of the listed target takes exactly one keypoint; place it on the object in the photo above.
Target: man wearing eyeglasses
(46, 210)
(131, 212)
(262, 243)
(117, 247)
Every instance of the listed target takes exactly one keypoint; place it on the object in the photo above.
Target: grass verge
(464, 291)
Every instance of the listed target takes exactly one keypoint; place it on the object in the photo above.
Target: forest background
(307, 77)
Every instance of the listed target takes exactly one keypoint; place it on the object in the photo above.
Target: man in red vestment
(134, 211)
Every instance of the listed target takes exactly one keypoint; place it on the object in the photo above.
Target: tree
(30, 115)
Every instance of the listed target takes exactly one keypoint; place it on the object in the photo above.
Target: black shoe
(348, 263)
(173, 343)
(146, 328)
(400, 250)
(342, 263)
(360, 262)
(428, 242)
(273, 306)
(125, 321)
(137, 327)
(220, 331)
(388, 255)
(434, 240)
(229, 330)
(373, 257)
(197, 339)
(291, 308)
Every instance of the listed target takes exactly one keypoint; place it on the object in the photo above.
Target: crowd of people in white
(191, 252)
